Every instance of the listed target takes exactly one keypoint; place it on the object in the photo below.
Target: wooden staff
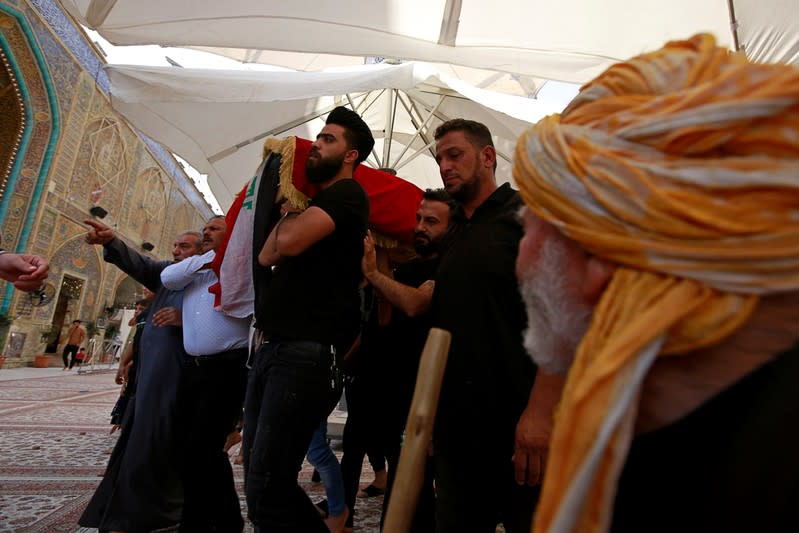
(418, 431)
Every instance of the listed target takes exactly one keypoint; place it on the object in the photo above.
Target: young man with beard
(386, 364)
(490, 436)
(309, 319)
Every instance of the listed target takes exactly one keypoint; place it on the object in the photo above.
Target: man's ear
(489, 155)
(350, 157)
(598, 272)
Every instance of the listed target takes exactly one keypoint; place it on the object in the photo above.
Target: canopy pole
(444, 118)
(419, 127)
(412, 103)
(449, 23)
(414, 156)
(352, 105)
(388, 132)
(734, 26)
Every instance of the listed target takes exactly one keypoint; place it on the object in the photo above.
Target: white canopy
(216, 120)
(568, 40)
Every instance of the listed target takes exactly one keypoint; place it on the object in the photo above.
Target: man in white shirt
(211, 390)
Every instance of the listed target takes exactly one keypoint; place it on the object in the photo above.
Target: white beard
(556, 321)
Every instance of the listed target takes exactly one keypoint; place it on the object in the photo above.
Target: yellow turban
(682, 166)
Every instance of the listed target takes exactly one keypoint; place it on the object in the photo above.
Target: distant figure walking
(75, 337)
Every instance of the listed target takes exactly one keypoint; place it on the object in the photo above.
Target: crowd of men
(680, 409)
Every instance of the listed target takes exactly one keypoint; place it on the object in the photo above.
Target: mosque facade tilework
(76, 151)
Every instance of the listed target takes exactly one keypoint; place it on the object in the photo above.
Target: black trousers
(371, 425)
(69, 349)
(210, 399)
(475, 484)
(291, 389)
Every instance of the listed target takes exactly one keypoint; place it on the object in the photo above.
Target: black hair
(475, 132)
(356, 132)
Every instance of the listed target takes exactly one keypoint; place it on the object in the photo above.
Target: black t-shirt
(391, 353)
(476, 298)
(730, 466)
(314, 296)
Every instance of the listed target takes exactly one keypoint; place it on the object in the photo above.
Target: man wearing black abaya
(142, 489)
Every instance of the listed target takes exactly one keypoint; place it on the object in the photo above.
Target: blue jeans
(324, 460)
(291, 389)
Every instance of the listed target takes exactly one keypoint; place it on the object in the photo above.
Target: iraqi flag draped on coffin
(392, 206)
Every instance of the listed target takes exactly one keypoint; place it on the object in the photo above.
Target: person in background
(76, 334)
(408, 290)
(80, 357)
(489, 442)
(129, 362)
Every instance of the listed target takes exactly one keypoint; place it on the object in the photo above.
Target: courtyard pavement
(55, 443)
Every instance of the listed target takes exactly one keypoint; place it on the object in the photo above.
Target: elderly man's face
(551, 272)
(214, 233)
(185, 245)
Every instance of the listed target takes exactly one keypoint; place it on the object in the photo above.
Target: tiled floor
(54, 442)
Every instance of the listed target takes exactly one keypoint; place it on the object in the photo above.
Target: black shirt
(477, 299)
(314, 296)
(406, 335)
(732, 465)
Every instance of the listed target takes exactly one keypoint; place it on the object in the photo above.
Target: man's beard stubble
(321, 170)
(467, 191)
(556, 322)
(425, 247)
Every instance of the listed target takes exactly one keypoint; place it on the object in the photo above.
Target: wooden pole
(418, 432)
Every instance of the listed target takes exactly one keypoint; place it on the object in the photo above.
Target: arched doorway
(128, 292)
(12, 109)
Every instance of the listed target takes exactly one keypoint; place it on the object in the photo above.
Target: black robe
(142, 488)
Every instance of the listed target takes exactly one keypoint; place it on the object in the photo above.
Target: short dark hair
(440, 195)
(143, 302)
(477, 132)
(76, 321)
(356, 132)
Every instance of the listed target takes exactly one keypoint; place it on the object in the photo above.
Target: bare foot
(336, 523)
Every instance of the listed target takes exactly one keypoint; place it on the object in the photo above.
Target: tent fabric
(509, 35)
(210, 117)
(769, 31)
(571, 40)
(213, 119)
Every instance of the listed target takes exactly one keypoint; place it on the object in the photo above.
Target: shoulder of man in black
(342, 199)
